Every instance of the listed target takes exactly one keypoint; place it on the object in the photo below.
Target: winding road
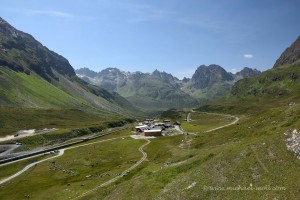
(214, 129)
(122, 174)
(61, 152)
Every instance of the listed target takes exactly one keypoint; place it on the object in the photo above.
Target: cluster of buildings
(150, 128)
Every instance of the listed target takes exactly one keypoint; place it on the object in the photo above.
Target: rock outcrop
(206, 76)
(293, 141)
(290, 55)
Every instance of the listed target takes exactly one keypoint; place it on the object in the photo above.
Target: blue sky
(170, 35)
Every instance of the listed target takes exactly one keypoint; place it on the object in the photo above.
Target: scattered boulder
(292, 103)
(293, 141)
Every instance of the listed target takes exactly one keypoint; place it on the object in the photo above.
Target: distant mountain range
(157, 90)
(161, 90)
(33, 76)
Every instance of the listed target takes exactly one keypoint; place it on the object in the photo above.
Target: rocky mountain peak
(208, 75)
(248, 72)
(86, 72)
(113, 73)
(290, 55)
(111, 70)
(156, 71)
(163, 75)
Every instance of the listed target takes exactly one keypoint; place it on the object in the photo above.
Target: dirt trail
(225, 115)
(220, 127)
(234, 122)
(123, 173)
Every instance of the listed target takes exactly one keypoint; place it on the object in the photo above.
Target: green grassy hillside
(14, 119)
(34, 79)
(275, 87)
(30, 90)
(29, 101)
(20, 89)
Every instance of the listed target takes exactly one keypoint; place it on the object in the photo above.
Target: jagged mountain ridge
(31, 75)
(290, 55)
(207, 83)
(157, 90)
(247, 73)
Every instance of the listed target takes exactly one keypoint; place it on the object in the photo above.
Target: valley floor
(247, 159)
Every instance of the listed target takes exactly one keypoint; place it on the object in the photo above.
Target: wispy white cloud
(248, 56)
(225, 28)
(200, 23)
(143, 13)
(22, 11)
(53, 13)
(150, 15)
(134, 12)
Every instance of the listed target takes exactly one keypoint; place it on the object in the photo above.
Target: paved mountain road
(61, 152)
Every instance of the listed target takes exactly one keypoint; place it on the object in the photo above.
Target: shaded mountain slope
(33, 77)
(290, 55)
(21, 52)
(31, 61)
